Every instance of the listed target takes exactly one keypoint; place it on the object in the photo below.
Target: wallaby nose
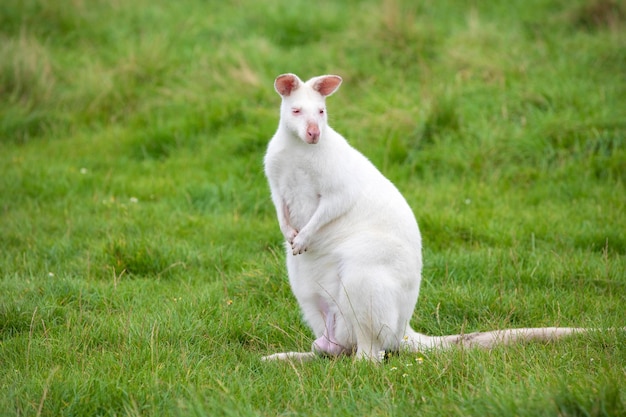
(312, 133)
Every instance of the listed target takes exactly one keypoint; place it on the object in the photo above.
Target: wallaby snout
(312, 133)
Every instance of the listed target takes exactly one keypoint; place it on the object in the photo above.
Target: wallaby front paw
(299, 245)
(291, 235)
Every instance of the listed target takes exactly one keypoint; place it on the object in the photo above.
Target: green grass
(141, 266)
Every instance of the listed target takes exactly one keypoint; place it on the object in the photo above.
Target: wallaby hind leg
(370, 307)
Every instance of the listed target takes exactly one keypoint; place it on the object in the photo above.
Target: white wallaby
(354, 253)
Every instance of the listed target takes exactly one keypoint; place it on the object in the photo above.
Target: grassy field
(141, 265)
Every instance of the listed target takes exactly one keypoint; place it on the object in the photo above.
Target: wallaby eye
(295, 111)
(321, 111)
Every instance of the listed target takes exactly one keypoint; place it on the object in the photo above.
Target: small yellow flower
(229, 302)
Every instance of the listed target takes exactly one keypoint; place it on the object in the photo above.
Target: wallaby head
(303, 109)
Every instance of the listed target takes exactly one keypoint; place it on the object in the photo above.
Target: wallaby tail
(417, 342)
(414, 341)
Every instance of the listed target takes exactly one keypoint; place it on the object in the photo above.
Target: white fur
(353, 245)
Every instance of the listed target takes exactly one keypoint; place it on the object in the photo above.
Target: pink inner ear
(327, 85)
(286, 84)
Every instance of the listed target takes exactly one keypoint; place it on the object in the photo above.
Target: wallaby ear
(286, 84)
(326, 84)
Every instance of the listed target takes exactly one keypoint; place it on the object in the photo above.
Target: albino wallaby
(354, 253)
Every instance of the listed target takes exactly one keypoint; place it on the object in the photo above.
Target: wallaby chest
(301, 177)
